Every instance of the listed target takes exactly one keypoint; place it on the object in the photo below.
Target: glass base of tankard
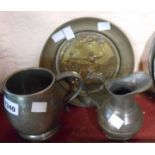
(40, 137)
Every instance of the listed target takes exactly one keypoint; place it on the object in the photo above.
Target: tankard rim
(7, 91)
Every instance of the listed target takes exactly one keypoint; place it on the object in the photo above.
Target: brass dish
(97, 55)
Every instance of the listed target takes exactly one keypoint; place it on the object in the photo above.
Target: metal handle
(75, 75)
(99, 77)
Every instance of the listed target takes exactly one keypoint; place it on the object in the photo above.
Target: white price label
(102, 26)
(68, 32)
(10, 106)
(58, 36)
(39, 107)
(116, 121)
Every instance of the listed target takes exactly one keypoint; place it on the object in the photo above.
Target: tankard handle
(99, 77)
(73, 75)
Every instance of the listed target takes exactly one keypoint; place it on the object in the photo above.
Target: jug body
(120, 123)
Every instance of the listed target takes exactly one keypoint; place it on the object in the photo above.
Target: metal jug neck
(122, 95)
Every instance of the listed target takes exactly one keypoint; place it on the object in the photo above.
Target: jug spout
(134, 83)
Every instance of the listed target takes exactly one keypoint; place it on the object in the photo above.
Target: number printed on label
(10, 106)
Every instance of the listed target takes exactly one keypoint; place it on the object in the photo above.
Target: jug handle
(72, 74)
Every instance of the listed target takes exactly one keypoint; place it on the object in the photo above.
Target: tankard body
(34, 101)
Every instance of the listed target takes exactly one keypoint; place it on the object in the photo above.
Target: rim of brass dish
(115, 36)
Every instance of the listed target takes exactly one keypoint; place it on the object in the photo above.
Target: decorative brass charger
(98, 53)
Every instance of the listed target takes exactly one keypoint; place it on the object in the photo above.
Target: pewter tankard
(34, 101)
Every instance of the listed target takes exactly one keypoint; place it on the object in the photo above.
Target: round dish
(96, 49)
(147, 63)
(152, 64)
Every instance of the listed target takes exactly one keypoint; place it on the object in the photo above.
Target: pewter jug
(120, 117)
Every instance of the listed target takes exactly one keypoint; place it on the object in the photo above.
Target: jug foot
(40, 137)
(114, 138)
